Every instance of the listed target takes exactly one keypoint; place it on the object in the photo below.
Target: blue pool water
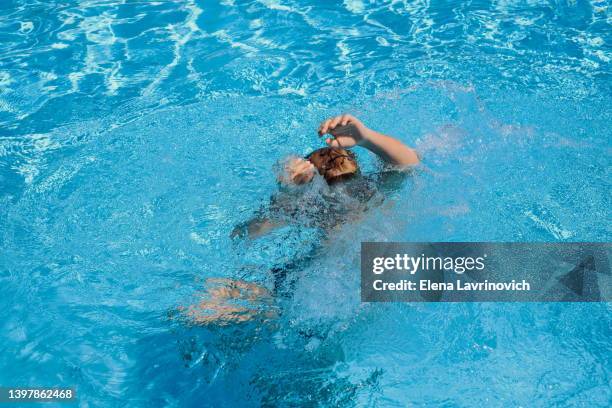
(134, 136)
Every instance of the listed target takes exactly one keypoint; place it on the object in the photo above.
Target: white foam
(223, 36)
(602, 55)
(5, 79)
(553, 229)
(354, 6)
(62, 175)
(59, 46)
(195, 237)
(255, 24)
(275, 5)
(292, 91)
(26, 27)
(75, 78)
(28, 170)
(382, 41)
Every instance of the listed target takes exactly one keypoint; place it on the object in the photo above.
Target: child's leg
(231, 301)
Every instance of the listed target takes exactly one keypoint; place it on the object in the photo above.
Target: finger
(324, 127)
(346, 118)
(335, 121)
(301, 169)
(308, 168)
(299, 179)
(297, 170)
(332, 142)
(352, 120)
(304, 175)
(302, 164)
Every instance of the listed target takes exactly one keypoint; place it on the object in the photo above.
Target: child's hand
(347, 131)
(298, 171)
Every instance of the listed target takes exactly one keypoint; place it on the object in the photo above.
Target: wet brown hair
(334, 163)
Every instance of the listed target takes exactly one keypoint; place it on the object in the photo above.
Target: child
(339, 169)
(341, 195)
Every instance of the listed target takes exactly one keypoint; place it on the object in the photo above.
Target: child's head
(334, 163)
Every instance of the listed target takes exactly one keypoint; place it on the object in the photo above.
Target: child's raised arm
(348, 131)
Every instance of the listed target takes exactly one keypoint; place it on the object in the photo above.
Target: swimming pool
(134, 136)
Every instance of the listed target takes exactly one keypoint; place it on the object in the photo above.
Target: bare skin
(298, 171)
(230, 301)
(347, 131)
